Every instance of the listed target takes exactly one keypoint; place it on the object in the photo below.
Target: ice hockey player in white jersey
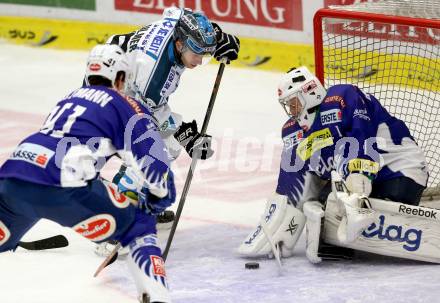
(158, 55)
(344, 130)
(54, 173)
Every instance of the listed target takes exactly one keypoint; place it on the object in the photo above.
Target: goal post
(393, 55)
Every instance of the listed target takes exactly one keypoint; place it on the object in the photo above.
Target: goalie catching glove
(228, 45)
(196, 145)
(354, 206)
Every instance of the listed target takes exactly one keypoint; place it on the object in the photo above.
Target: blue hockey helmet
(196, 32)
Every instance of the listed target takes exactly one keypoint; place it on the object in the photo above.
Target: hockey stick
(194, 161)
(48, 243)
(275, 250)
(109, 260)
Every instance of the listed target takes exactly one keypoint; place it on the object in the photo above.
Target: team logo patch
(97, 228)
(337, 99)
(309, 86)
(411, 238)
(362, 114)
(119, 200)
(314, 142)
(331, 116)
(363, 165)
(4, 233)
(293, 139)
(158, 266)
(94, 67)
(32, 153)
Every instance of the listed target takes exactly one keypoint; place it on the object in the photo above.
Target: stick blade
(109, 260)
(58, 241)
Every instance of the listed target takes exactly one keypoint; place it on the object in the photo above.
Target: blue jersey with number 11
(81, 133)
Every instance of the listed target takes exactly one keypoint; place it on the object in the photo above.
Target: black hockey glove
(228, 45)
(196, 145)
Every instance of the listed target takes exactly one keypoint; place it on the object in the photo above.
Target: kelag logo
(411, 237)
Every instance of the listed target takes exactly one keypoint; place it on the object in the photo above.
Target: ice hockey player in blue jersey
(54, 173)
(341, 130)
(158, 55)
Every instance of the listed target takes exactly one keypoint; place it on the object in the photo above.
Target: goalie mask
(196, 32)
(106, 61)
(299, 93)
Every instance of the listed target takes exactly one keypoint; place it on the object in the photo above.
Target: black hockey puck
(252, 265)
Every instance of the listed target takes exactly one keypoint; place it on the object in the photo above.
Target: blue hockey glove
(155, 205)
(195, 144)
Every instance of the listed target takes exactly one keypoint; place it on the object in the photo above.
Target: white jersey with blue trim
(352, 132)
(82, 132)
(155, 71)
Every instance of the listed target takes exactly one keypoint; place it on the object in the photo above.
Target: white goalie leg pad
(358, 216)
(284, 223)
(148, 268)
(314, 213)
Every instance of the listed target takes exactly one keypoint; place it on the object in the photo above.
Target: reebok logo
(416, 211)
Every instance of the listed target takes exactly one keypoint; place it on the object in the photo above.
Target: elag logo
(410, 238)
(97, 228)
(4, 233)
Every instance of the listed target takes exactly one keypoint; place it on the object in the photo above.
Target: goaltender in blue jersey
(54, 173)
(342, 130)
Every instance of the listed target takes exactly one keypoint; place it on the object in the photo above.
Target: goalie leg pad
(314, 214)
(284, 223)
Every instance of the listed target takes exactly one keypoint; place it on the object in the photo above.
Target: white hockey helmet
(106, 60)
(300, 83)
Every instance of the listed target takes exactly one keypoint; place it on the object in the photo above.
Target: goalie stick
(194, 160)
(58, 241)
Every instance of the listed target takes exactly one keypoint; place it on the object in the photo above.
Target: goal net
(391, 50)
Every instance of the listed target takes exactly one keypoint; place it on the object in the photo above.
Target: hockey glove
(196, 145)
(155, 205)
(228, 45)
(127, 182)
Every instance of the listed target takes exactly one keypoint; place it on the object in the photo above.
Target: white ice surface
(224, 203)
